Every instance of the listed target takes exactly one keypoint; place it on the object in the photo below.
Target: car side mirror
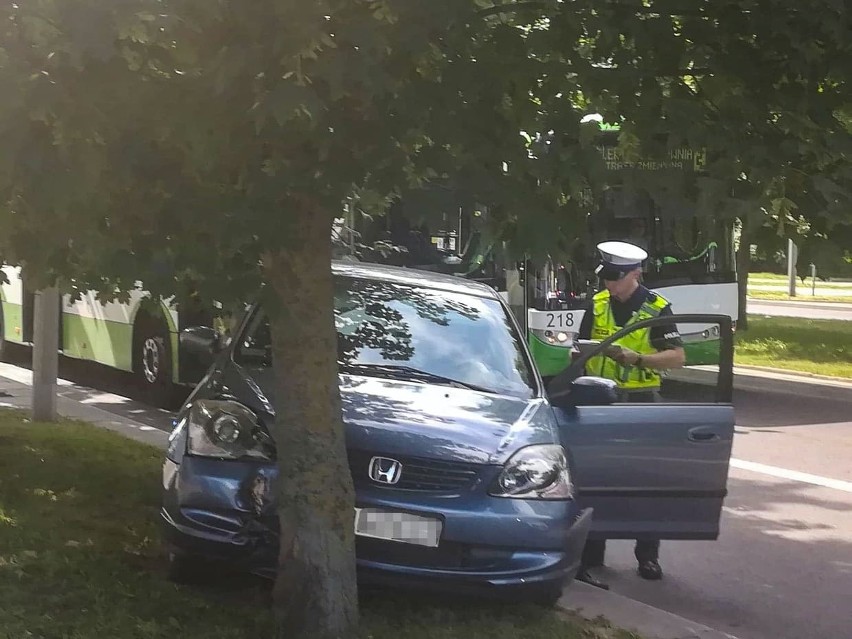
(588, 391)
(202, 342)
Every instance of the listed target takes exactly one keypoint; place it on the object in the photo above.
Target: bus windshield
(681, 249)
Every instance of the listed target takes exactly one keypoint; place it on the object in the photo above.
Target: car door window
(700, 380)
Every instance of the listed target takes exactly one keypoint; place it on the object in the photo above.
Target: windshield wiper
(411, 374)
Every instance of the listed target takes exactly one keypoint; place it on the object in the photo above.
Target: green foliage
(207, 128)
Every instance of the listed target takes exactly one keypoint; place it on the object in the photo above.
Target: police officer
(634, 362)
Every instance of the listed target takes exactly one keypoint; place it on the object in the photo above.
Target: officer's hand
(623, 356)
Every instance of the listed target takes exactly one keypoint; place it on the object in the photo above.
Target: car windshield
(388, 329)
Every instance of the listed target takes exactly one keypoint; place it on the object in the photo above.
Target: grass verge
(80, 557)
(810, 346)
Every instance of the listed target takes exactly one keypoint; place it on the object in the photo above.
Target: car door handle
(703, 435)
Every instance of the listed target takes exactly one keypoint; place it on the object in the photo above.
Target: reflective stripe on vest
(627, 377)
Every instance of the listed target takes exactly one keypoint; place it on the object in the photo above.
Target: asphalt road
(803, 308)
(782, 567)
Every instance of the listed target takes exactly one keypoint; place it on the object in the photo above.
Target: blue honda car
(465, 473)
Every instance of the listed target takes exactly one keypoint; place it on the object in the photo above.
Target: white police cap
(620, 256)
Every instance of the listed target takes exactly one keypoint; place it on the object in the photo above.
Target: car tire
(152, 358)
(186, 569)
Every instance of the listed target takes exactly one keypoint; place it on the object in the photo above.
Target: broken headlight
(227, 430)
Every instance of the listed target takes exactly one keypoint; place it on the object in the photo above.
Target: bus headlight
(560, 338)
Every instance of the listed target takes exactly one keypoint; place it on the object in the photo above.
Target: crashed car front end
(219, 479)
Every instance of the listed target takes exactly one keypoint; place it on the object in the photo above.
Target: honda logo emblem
(384, 470)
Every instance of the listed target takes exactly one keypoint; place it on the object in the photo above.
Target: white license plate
(397, 526)
(565, 321)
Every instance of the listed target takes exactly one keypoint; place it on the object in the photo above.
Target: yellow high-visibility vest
(627, 377)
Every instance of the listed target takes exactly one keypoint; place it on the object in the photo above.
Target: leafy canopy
(176, 141)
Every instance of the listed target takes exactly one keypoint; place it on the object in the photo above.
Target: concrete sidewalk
(113, 412)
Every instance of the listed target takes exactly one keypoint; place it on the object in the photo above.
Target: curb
(811, 378)
(775, 381)
(771, 381)
(628, 614)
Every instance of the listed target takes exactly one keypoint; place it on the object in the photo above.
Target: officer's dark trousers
(647, 550)
(595, 549)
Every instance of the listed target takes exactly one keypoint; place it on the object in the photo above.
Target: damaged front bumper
(223, 511)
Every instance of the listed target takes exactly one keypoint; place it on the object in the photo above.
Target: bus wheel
(152, 358)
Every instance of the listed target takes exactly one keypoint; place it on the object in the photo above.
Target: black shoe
(650, 570)
(586, 577)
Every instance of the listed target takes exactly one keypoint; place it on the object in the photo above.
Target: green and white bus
(691, 257)
(691, 263)
(141, 339)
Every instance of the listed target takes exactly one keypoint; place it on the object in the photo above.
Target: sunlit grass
(823, 347)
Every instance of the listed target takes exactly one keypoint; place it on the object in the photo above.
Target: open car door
(653, 470)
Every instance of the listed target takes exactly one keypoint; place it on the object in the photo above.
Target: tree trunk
(316, 594)
(743, 266)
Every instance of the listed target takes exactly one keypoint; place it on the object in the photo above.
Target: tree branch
(515, 7)
(512, 7)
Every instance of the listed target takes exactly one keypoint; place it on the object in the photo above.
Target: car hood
(390, 417)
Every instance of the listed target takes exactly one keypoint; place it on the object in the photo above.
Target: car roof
(412, 277)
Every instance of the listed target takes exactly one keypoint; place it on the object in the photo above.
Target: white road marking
(775, 471)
